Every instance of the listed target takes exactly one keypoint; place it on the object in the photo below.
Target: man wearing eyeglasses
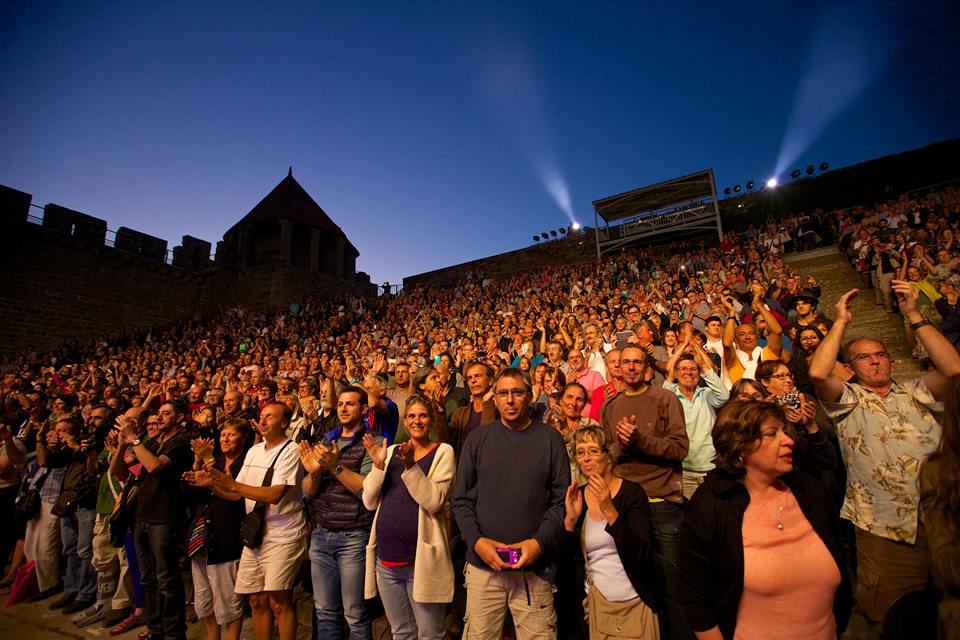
(886, 431)
(508, 502)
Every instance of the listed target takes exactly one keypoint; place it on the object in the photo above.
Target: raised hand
(307, 457)
(572, 507)
(202, 448)
(843, 306)
(907, 296)
(600, 491)
(377, 452)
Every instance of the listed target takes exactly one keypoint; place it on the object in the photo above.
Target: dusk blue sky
(431, 132)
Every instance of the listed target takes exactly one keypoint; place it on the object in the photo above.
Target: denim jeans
(337, 567)
(76, 534)
(158, 551)
(666, 532)
(409, 620)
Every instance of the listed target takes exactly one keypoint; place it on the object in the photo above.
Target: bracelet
(922, 323)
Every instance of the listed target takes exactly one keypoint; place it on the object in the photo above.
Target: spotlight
(563, 231)
(575, 226)
(736, 188)
(824, 166)
(727, 191)
(809, 169)
(750, 185)
(553, 233)
(545, 235)
(772, 183)
(536, 238)
(795, 174)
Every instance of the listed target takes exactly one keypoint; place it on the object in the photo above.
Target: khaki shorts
(272, 567)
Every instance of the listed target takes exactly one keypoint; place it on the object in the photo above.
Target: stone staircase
(832, 269)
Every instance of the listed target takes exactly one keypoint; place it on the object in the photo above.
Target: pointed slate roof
(290, 201)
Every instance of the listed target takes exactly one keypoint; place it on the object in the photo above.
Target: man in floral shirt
(886, 430)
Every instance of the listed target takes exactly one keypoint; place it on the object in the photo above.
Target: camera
(508, 555)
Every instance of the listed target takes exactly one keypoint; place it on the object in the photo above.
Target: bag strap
(268, 476)
(39, 478)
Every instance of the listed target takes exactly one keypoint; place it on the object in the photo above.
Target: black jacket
(711, 549)
(632, 532)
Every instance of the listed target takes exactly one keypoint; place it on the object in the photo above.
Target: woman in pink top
(758, 549)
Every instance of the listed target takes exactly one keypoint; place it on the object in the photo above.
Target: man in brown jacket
(648, 431)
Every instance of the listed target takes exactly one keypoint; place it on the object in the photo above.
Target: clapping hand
(202, 449)
(404, 451)
(598, 488)
(197, 478)
(377, 452)
(626, 428)
(220, 479)
(572, 507)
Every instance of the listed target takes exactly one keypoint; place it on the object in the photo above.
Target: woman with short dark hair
(759, 556)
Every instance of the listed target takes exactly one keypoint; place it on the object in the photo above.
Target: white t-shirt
(284, 521)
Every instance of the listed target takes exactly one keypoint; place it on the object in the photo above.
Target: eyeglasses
(782, 376)
(591, 452)
(862, 357)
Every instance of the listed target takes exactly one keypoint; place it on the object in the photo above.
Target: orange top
(789, 579)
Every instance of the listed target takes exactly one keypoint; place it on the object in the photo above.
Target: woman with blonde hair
(408, 556)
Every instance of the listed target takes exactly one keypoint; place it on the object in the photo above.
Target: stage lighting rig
(737, 188)
(536, 238)
(809, 169)
(727, 191)
(563, 231)
(795, 174)
(824, 166)
(750, 185)
(772, 183)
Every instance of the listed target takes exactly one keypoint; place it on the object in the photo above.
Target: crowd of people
(668, 444)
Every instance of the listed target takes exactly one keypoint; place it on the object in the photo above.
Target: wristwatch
(917, 325)
(135, 442)
(337, 469)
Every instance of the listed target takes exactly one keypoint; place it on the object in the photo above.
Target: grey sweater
(510, 487)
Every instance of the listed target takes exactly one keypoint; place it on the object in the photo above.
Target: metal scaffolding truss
(679, 207)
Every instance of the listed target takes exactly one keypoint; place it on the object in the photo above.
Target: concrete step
(836, 276)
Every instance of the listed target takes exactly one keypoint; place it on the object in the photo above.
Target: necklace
(777, 515)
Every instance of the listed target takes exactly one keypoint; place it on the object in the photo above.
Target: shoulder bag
(252, 527)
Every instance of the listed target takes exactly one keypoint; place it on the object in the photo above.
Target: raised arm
(829, 388)
(945, 357)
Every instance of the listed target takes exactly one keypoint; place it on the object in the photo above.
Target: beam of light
(508, 80)
(556, 186)
(845, 56)
(772, 183)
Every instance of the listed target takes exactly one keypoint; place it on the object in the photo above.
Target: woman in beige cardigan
(408, 557)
